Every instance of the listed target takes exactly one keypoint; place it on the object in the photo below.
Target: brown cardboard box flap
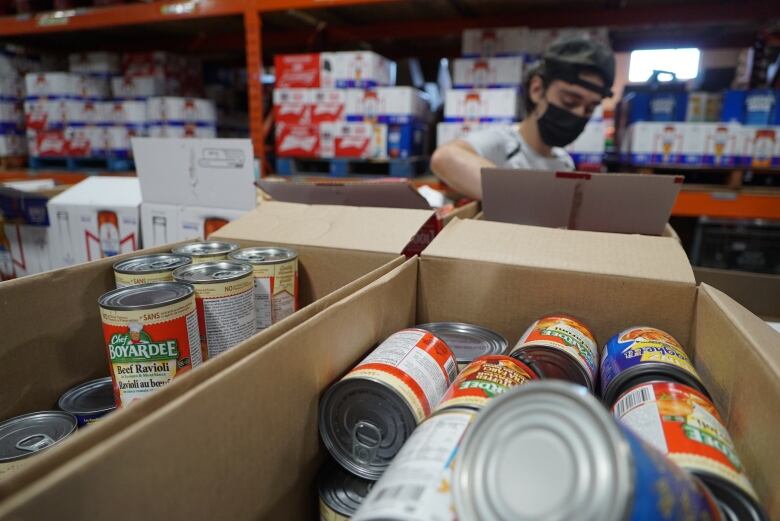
(759, 292)
(635, 256)
(624, 203)
(394, 193)
(383, 230)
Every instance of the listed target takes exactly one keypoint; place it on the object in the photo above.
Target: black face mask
(558, 127)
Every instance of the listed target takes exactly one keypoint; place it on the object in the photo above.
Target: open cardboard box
(759, 292)
(245, 443)
(52, 331)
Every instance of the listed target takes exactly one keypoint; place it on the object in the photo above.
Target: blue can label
(84, 419)
(664, 491)
(639, 345)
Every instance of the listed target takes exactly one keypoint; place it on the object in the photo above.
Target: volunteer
(560, 94)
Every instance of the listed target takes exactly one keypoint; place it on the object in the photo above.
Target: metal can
(417, 484)
(562, 347)
(151, 335)
(642, 354)
(157, 267)
(485, 378)
(367, 416)
(549, 450)
(224, 296)
(24, 436)
(468, 341)
(206, 251)
(89, 401)
(340, 492)
(684, 424)
(276, 282)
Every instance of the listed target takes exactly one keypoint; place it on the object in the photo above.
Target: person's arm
(459, 165)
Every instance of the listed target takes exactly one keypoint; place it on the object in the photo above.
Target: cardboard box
(172, 109)
(723, 144)
(13, 142)
(47, 143)
(328, 105)
(505, 41)
(293, 106)
(756, 291)
(492, 73)
(83, 112)
(652, 143)
(482, 105)
(704, 107)
(11, 87)
(754, 107)
(182, 130)
(668, 107)
(86, 141)
(398, 105)
(303, 70)
(361, 69)
(589, 147)
(119, 139)
(50, 84)
(613, 281)
(11, 113)
(137, 87)
(297, 140)
(45, 114)
(354, 140)
(99, 217)
(213, 173)
(760, 146)
(126, 112)
(619, 203)
(166, 223)
(94, 62)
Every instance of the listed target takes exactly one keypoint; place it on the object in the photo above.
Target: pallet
(12, 162)
(349, 167)
(109, 164)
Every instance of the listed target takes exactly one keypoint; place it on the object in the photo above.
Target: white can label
(276, 292)
(226, 313)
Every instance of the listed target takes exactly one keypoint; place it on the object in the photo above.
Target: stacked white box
(482, 105)
(650, 143)
(589, 147)
(137, 87)
(450, 131)
(505, 41)
(173, 116)
(473, 73)
(95, 63)
(760, 146)
(353, 140)
(723, 144)
(361, 69)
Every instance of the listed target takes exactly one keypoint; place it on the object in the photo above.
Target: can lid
(264, 255)
(341, 491)
(25, 435)
(734, 503)
(540, 452)
(154, 263)
(468, 341)
(212, 272)
(146, 296)
(90, 397)
(649, 372)
(205, 248)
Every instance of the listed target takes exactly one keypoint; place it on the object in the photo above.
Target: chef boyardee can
(206, 251)
(367, 416)
(417, 484)
(582, 464)
(483, 379)
(641, 354)
(151, 335)
(468, 341)
(157, 267)
(89, 401)
(683, 424)
(24, 436)
(224, 296)
(340, 492)
(276, 282)
(559, 346)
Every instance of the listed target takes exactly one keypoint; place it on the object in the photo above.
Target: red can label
(684, 424)
(484, 378)
(415, 363)
(148, 348)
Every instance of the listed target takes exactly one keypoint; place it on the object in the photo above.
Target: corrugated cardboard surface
(759, 292)
(636, 256)
(344, 227)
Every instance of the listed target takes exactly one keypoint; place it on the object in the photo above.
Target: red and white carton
(178, 109)
(482, 105)
(126, 112)
(452, 130)
(293, 106)
(328, 105)
(94, 62)
(182, 130)
(50, 84)
(42, 113)
(361, 69)
(357, 140)
(11, 113)
(503, 41)
(87, 112)
(488, 72)
(47, 143)
(386, 104)
(86, 141)
(137, 87)
(297, 140)
(119, 139)
(301, 70)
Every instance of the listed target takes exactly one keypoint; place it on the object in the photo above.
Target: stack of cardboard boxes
(13, 66)
(343, 105)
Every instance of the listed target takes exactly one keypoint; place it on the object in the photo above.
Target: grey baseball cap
(566, 58)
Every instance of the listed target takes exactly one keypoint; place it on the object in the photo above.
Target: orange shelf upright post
(254, 69)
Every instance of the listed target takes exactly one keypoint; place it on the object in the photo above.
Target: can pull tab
(366, 438)
(34, 442)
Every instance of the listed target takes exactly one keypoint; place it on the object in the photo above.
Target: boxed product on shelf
(98, 217)
(199, 130)
(298, 140)
(166, 223)
(310, 70)
(11, 113)
(86, 141)
(450, 131)
(504, 41)
(13, 142)
(328, 105)
(47, 142)
(137, 87)
(651, 143)
(94, 63)
(386, 105)
(293, 106)
(335, 69)
(46, 113)
(126, 112)
(588, 149)
(704, 107)
(353, 140)
(538, 40)
(51, 84)
(406, 140)
(87, 112)
(723, 144)
(11, 87)
(753, 107)
(760, 146)
(119, 139)
(482, 105)
(474, 73)
(668, 106)
(155, 63)
(174, 109)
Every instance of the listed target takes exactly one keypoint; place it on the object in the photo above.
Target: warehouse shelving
(753, 203)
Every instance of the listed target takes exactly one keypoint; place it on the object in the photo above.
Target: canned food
(417, 484)
(367, 416)
(206, 251)
(682, 423)
(151, 335)
(642, 354)
(341, 493)
(276, 282)
(549, 450)
(145, 269)
(468, 341)
(559, 346)
(224, 296)
(484, 378)
(89, 401)
(24, 436)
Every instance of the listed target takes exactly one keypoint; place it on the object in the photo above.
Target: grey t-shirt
(505, 147)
